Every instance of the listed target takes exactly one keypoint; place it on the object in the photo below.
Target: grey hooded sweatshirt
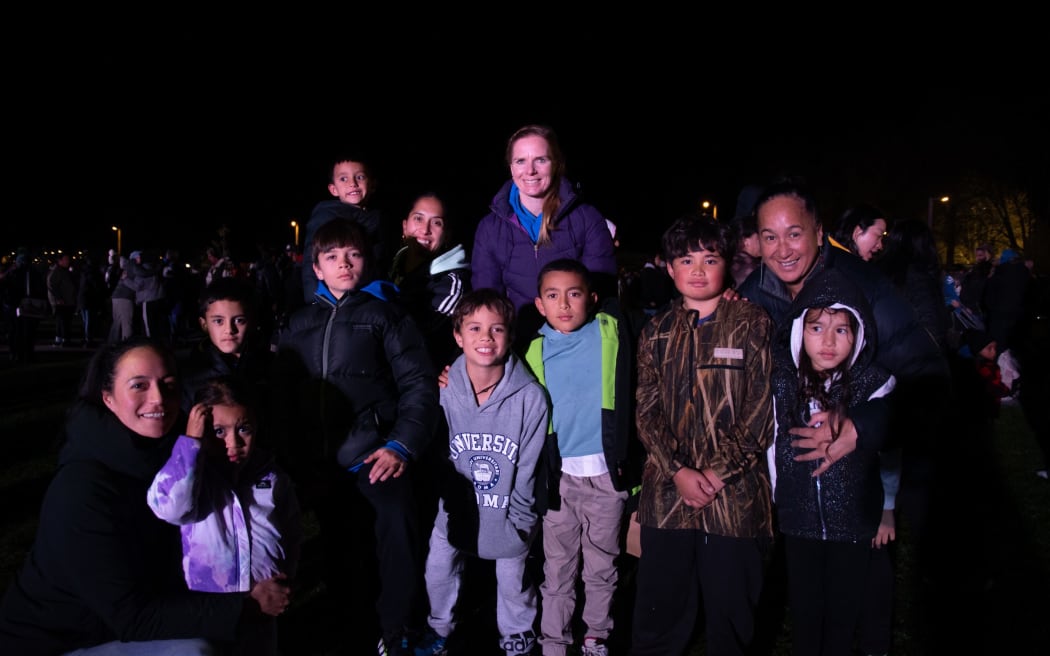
(488, 487)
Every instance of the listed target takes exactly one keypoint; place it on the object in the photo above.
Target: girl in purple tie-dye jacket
(238, 513)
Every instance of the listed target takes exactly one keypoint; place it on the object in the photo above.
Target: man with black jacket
(794, 250)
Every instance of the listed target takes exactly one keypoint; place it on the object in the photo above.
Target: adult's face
(145, 396)
(531, 166)
(426, 223)
(869, 241)
(790, 239)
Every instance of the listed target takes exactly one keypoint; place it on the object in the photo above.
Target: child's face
(988, 352)
(484, 337)
(827, 338)
(699, 276)
(340, 269)
(227, 325)
(349, 182)
(233, 428)
(426, 223)
(564, 300)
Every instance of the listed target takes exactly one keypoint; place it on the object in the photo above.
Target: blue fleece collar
(527, 219)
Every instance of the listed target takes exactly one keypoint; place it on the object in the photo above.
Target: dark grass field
(979, 584)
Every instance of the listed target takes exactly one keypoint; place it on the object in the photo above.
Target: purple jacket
(233, 534)
(505, 258)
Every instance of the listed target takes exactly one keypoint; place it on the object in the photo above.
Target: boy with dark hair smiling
(350, 184)
(496, 415)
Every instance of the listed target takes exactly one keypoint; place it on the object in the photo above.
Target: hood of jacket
(829, 288)
(95, 434)
(515, 376)
(384, 290)
(452, 259)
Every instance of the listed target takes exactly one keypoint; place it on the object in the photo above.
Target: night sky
(172, 136)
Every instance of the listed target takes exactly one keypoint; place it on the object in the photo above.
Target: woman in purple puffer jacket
(537, 217)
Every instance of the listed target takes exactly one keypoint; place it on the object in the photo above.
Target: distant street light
(120, 235)
(296, 226)
(929, 209)
(707, 206)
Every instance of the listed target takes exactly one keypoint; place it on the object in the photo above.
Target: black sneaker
(393, 645)
(431, 645)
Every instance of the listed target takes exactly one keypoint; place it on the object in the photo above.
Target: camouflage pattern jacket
(704, 401)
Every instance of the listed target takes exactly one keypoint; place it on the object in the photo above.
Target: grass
(985, 589)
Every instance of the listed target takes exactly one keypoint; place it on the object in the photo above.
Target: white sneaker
(594, 647)
(1042, 474)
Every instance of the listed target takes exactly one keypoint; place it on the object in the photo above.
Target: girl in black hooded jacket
(828, 505)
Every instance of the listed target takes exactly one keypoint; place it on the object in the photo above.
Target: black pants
(371, 540)
(155, 322)
(680, 567)
(63, 324)
(826, 589)
(875, 630)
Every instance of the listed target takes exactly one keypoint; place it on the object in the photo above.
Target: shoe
(393, 645)
(594, 647)
(1042, 473)
(519, 644)
(431, 645)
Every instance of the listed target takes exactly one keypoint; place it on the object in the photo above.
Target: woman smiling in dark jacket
(103, 569)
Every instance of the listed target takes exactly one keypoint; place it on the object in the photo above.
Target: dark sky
(172, 137)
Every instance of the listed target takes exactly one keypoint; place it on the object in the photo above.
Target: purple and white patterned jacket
(234, 533)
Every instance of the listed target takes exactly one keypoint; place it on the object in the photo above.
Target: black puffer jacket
(844, 504)
(349, 377)
(204, 362)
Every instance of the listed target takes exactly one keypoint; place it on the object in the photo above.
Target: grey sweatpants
(123, 320)
(516, 601)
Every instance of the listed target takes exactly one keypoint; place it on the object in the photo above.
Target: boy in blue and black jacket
(356, 403)
(585, 359)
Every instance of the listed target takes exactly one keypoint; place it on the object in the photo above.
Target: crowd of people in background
(761, 394)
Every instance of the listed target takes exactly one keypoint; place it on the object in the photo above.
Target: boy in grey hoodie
(497, 416)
